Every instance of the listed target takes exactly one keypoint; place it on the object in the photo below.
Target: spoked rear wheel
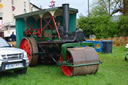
(25, 45)
(30, 46)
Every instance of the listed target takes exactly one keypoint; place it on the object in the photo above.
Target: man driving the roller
(60, 29)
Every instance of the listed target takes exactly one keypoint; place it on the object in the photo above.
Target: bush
(123, 26)
(102, 26)
(86, 25)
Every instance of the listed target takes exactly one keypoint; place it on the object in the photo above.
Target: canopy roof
(57, 12)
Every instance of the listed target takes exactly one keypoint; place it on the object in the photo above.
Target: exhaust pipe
(66, 19)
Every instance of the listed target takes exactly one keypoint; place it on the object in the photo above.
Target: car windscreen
(3, 43)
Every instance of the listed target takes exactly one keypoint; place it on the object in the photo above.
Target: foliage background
(104, 26)
(102, 22)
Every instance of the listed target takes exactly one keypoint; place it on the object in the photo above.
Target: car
(12, 58)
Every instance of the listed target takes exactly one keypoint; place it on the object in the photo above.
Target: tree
(110, 7)
(125, 7)
(99, 10)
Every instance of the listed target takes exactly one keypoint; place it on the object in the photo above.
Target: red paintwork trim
(56, 27)
(66, 69)
(45, 25)
(26, 46)
(48, 23)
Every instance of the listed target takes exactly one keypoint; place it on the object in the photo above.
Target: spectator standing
(13, 37)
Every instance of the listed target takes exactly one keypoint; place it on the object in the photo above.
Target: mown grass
(112, 71)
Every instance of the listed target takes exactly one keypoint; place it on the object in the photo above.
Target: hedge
(104, 26)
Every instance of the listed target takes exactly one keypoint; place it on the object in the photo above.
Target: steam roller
(50, 36)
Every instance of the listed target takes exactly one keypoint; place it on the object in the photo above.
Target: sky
(81, 5)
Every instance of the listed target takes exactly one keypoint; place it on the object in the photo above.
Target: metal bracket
(79, 65)
(79, 44)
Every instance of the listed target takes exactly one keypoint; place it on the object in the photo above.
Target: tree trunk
(125, 7)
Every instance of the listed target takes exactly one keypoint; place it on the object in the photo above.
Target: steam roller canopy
(81, 57)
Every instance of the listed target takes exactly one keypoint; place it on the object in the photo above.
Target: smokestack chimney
(66, 19)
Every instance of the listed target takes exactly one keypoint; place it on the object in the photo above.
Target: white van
(12, 58)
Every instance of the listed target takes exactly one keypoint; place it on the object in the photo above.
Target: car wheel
(126, 58)
(21, 71)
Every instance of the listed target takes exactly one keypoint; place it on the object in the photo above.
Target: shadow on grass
(8, 74)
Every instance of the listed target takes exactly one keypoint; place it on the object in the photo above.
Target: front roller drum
(30, 46)
(80, 56)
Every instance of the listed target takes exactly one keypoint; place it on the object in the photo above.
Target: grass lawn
(113, 71)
